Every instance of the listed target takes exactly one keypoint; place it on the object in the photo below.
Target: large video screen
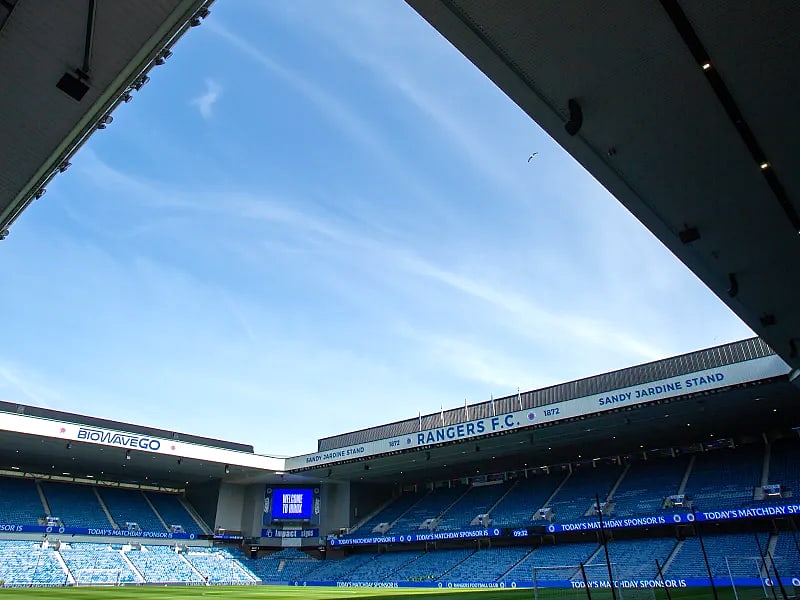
(292, 504)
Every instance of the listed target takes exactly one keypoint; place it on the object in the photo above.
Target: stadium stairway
(43, 499)
(60, 560)
(105, 509)
(139, 576)
(155, 512)
(687, 475)
(372, 514)
(205, 529)
(610, 496)
(671, 557)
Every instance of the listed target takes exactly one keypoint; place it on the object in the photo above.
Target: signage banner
(290, 533)
(593, 584)
(417, 537)
(678, 518)
(716, 378)
(73, 432)
(109, 532)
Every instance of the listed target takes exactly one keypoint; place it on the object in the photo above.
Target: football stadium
(678, 478)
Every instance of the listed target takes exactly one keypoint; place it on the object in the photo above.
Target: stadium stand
(93, 564)
(550, 556)
(784, 467)
(25, 563)
(787, 554)
(76, 505)
(577, 495)
(645, 485)
(163, 564)
(524, 498)
(688, 560)
(725, 478)
(289, 564)
(173, 512)
(389, 514)
(635, 559)
(488, 565)
(341, 568)
(19, 501)
(428, 507)
(219, 566)
(478, 500)
(431, 565)
(130, 506)
(383, 566)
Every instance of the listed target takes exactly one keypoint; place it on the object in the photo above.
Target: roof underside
(677, 144)
(39, 42)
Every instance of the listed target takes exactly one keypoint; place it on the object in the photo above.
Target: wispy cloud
(205, 102)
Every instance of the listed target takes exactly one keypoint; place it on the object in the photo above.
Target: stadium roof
(64, 67)
(740, 412)
(688, 115)
(710, 358)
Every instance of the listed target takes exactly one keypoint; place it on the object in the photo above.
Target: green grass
(318, 593)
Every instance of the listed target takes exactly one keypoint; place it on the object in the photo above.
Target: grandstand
(463, 512)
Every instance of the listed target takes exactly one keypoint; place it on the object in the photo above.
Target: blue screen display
(292, 504)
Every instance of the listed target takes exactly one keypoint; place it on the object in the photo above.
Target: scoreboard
(292, 504)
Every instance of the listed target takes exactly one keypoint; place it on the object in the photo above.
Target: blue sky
(317, 218)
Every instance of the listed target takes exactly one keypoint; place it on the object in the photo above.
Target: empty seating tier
(76, 505)
(20, 503)
(646, 484)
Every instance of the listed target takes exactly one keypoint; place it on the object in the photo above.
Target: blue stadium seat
(478, 500)
(784, 467)
(431, 565)
(25, 563)
(162, 564)
(557, 555)
(19, 502)
(428, 507)
(725, 478)
(388, 515)
(93, 564)
(740, 549)
(646, 484)
(487, 565)
(76, 505)
(524, 498)
(173, 512)
(130, 506)
(578, 493)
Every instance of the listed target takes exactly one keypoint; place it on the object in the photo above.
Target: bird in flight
(530, 158)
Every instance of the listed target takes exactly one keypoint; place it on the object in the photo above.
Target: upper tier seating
(130, 506)
(578, 493)
(645, 485)
(429, 507)
(97, 564)
(689, 562)
(19, 502)
(173, 512)
(76, 505)
(162, 564)
(478, 500)
(526, 497)
(784, 466)
(725, 478)
(388, 515)
(25, 563)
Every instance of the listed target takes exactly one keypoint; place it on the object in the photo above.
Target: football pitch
(322, 593)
